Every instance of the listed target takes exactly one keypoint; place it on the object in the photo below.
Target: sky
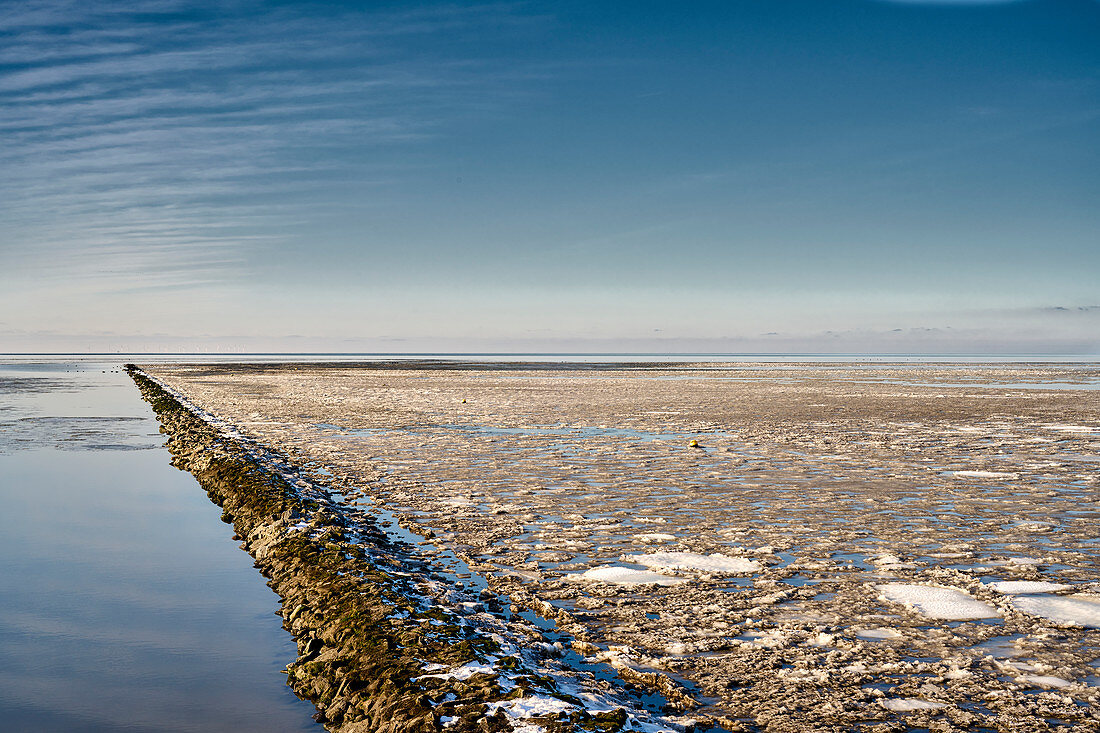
(843, 176)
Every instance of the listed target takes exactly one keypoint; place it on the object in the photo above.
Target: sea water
(124, 603)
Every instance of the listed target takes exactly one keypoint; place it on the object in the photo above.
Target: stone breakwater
(385, 643)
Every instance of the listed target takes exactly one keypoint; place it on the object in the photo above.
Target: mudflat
(799, 547)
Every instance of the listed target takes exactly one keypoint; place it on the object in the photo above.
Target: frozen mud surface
(806, 547)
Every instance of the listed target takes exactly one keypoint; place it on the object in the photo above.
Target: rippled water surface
(124, 603)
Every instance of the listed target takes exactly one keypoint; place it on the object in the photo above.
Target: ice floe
(655, 537)
(909, 704)
(619, 575)
(984, 474)
(715, 563)
(1040, 680)
(1078, 610)
(773, 639)
(1013, 561)
(891, 562)
(937, 602)
(1015, 587)
(879, 633)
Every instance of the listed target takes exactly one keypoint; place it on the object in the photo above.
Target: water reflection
(126, 606)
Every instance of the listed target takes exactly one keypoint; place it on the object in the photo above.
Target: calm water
(124, 603)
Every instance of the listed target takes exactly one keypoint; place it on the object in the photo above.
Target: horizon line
(550, 353)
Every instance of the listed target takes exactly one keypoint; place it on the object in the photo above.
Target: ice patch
(891, 562)
(1034, 526)
(773, 639)
(529, 707)
(984, 474)
(1076, 610)
(878, 633)
(458, 501)
(937, 602)
(619, 575)
(1013, 587)
(1012, 561)
(1040, 680)
(655, 537)
(464, 672)
(909, 704)
(716, 563)
(804, 676)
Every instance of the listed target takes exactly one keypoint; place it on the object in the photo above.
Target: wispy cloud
(143, 139)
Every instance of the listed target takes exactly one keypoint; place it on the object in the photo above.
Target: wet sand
(826, 491)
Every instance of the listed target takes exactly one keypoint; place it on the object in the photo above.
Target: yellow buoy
(694, 444)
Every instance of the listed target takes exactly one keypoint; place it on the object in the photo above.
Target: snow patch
(774, 639)
(464, 672)
(937, 602)
(655, 537)
(529, 707)
(716, 563)
(878, 633)
(984, 474)
(1013, 561)
(1040, 680)
(1013, 587)
(1072, 428)
(909, 704)
(619, 575)
(1078, 610)
(891, 562)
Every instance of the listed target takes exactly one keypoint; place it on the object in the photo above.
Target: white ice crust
(1073, 428)
(464, 672)
(716, 563)
(937, 602)
(1014, 587)
(1040, 680)
(1078, 610)
(619, 575)
(984, 474)
(909, 704)
(878, 633)
(529, 707)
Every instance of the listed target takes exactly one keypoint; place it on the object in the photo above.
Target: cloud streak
(148, 136)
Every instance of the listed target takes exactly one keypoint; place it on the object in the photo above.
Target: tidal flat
(780, 547)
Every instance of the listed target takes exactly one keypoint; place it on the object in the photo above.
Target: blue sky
(759, 175)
